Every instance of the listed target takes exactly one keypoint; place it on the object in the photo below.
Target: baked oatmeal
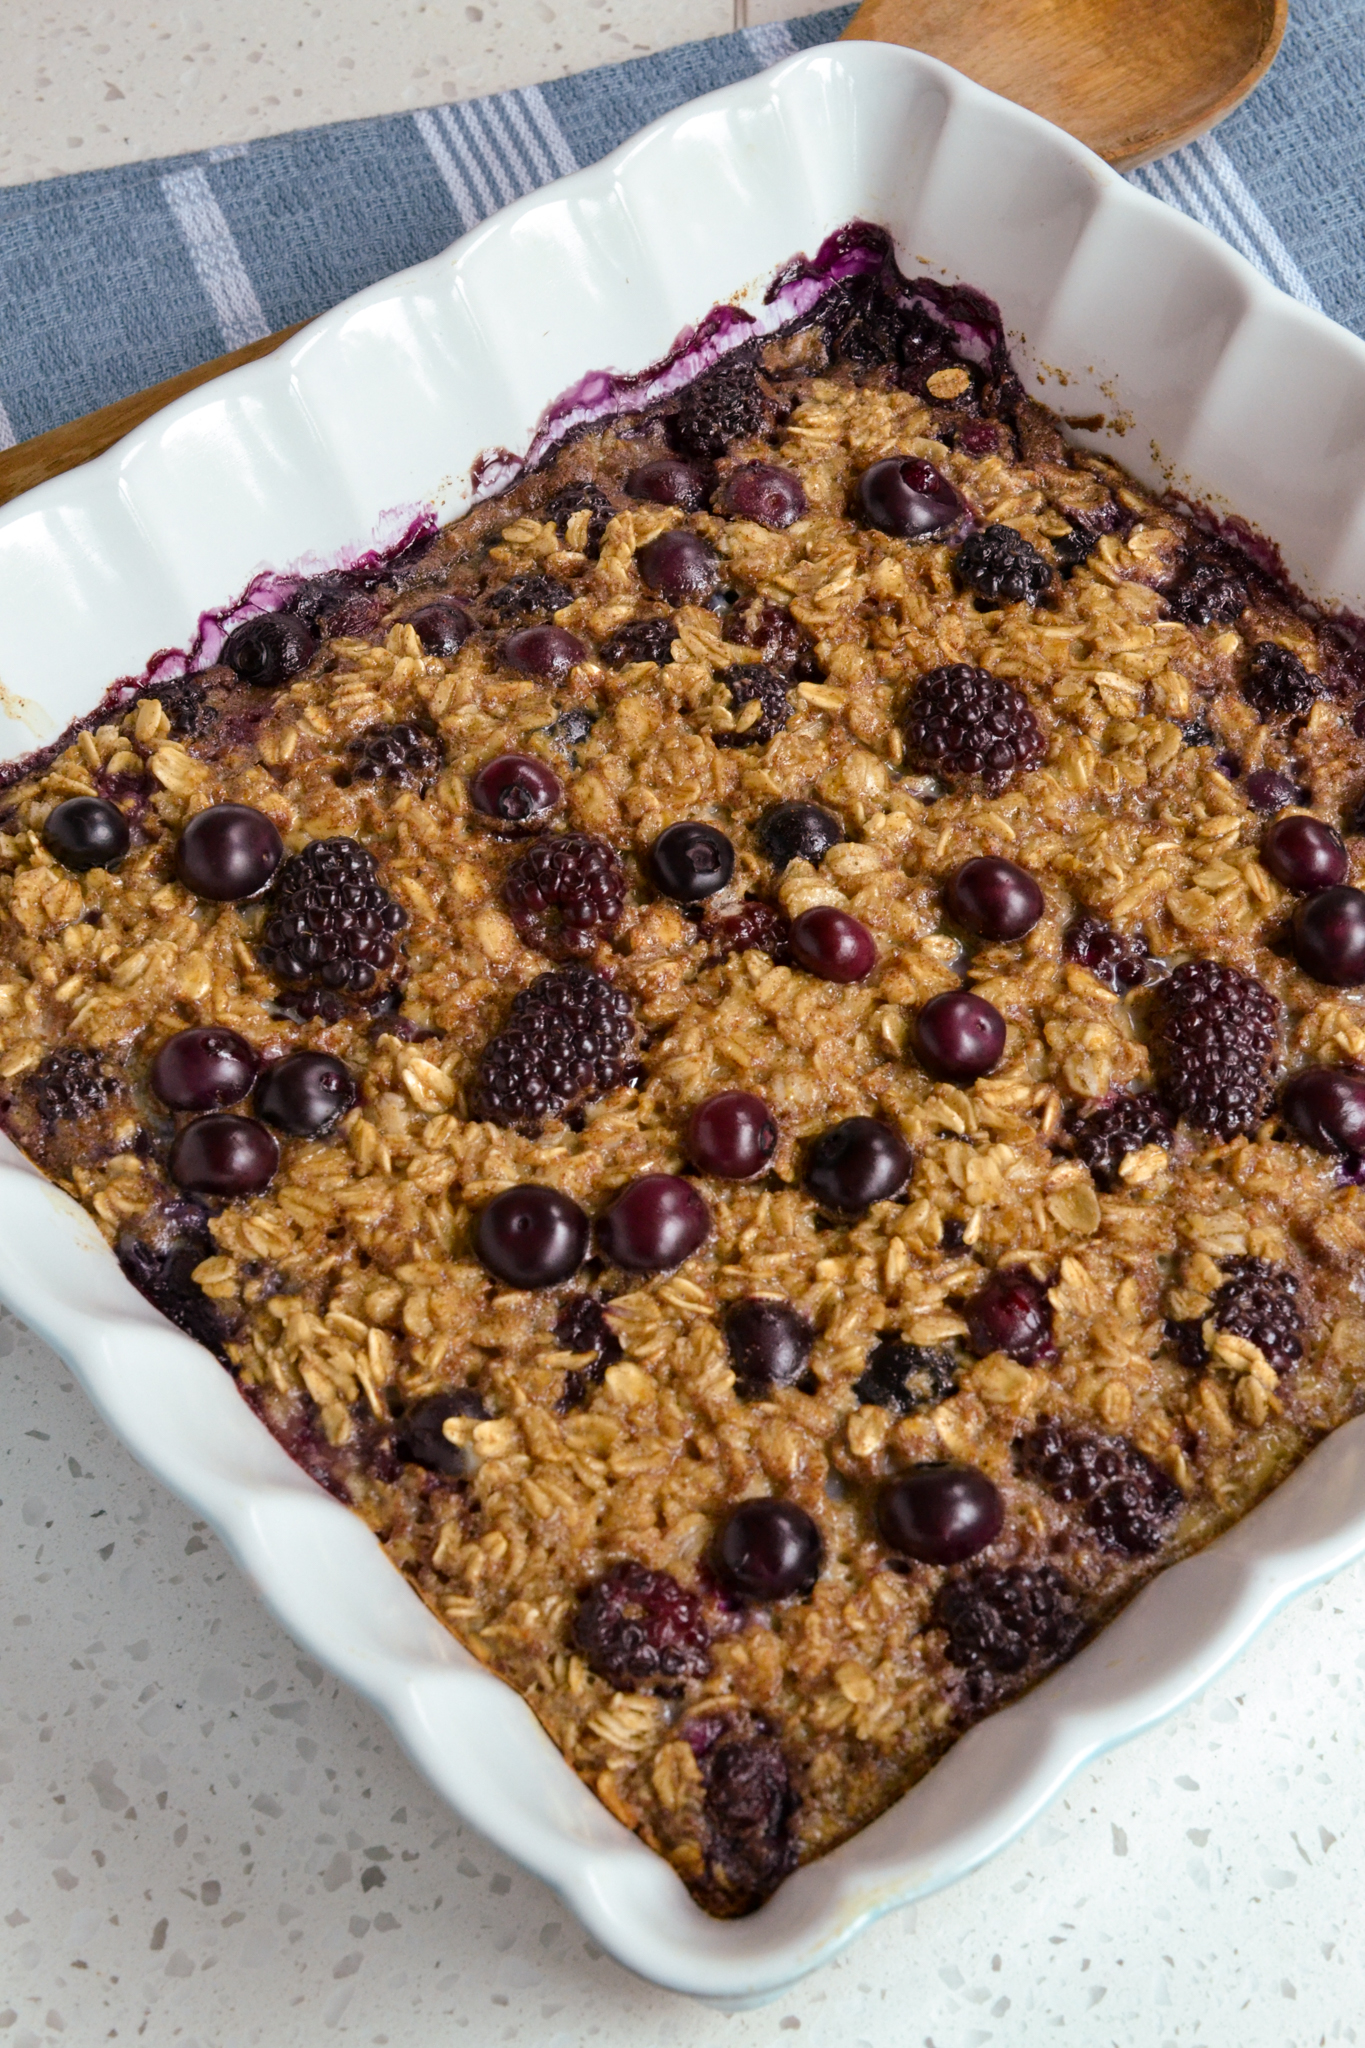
(752, 1051)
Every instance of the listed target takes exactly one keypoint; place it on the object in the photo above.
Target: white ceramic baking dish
(313, 454)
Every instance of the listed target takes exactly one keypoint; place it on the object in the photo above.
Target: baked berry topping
(755, 683)
(442, 627)
(228, 853)
(773, 633)
(994, 898)
(1268, 789)
(1118, 959)
(723, 405)
(1325, 1106)
(732, 1135)
(1258, 1301)
(1002, 1622)
(940, 1513)
(204, 1068)
(856, 1163)
(999, 564)
(546, 653)
(583, 1330)
(516, 792)
(1215, 1046)
(305, 1093)
(906, 497)
(338, 605)
(582, 497)
(185, 702)
(404, 754)
(166, 1278)
(532, 1236)
(530, 598)
(965, 724)
(679, 566)
(641, 640)
(1276, 683)
(690, 861)
(565, 893)
(269, 650)
(1207, 593)
(1329, 937)
(421, 1437)
(959, 1036)
(1304, 854)
(1129, 1501)
(333, 925)
(639, 1628)
(755, 926)
(748, 1808)
(71, 1082)
(569, 1039)
(767, 1550)
(570, 730)
(1011, 1313)
(654, 1224)
(670, 481)
(832, 944)
(797, 831)
(770, 1344)
(1104, 1136)
(762, 492)
(223, 1155)
(905, 1377)
(86, 832)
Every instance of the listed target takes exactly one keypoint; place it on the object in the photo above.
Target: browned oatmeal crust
(586, 1437)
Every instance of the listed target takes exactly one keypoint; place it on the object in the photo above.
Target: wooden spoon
(1132, 78)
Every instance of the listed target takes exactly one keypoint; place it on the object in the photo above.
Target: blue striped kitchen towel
(112, 280)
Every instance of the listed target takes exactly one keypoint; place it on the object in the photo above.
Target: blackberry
(1128, 1500)
(747, 681)
(565, 893)
(581, 1327)
(906, 1377)
(1276, 683)
(531, 597)
(1000, 1623)
(337, 606)
(1209, 591)
(1119, 962)
(1001, 565)
(583, 497)
(725, 404)
(570, 1038)
(755, 927)
(1214, 1035)
(396, 753)
(333, 925)
(1258, 1301)
(191, 715)
(641, 640)
(638, 1627)
(748, 1809)
(773, 633)
(166, 1279)
(964, 722)
(1104, 1137)
(71, 1082)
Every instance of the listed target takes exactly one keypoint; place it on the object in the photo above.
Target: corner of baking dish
(1115, 306)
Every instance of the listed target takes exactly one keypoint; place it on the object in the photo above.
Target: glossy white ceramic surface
(379, 409)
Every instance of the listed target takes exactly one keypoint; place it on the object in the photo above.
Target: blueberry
(767, 1550)
(907, 497)
(545, 652)
(421, 1437)
(654, 1224)
(994, 898)
(268, 650)
(856, 1163)
(940, 1513)
(204, 1068)
(732, 1135)
(959, 1036)
(1267, 789)
(1325, 1106)
(760, 491)
(1304, 854)
(305, 1093)
(1329, 937)
(228, 853)
(442, 627)
(679, 566)
(223, 1155)
(797, 831)
(769, 1344)
(516, 792)
(1011, 1313)
(532, 1236)
(691, 861)
(86, 832)
(832, 944)
(671, 481)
